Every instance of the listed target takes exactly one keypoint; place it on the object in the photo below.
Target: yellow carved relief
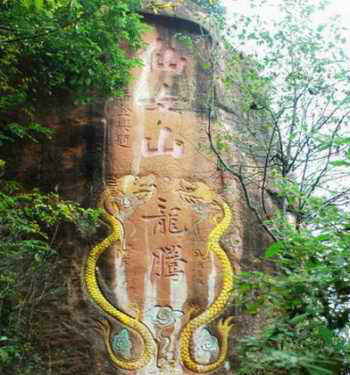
(124, 194)
(143, 188)
(198, 193)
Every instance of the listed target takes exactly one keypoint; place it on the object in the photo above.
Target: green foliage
(31, 131)
(291, 104)
(30, 223)
(213, 7)
(48, 49)
(62, 48)
(295, 84)
(292, 99)
(25, 219)
(77, 45)
(304, 302)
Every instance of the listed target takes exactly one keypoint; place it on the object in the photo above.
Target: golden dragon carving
(194, 193)
(139, 190)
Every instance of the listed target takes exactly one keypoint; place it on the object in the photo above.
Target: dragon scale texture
(199, 190)
(97, 296)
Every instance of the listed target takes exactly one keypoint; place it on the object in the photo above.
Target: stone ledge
(185, 10)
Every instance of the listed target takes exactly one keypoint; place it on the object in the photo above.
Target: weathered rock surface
(168, 267)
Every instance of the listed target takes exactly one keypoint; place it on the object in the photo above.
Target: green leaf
(39, 4)
(27, 3)
(326, 334)
(317, 370)
(4, 356)
(343, 141)
(253, 308)
(274, 249)
(299, 318)
(340, 163)
(323, 237)
(243, 287)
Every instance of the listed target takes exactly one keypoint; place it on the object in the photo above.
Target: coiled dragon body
(138, 191)
(192, 193)
(97, 296)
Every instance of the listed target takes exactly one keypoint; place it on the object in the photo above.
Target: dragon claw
(229, 320)
(103, 326)
(205, 254)
(120, 252)
(215, 219)
(224, 325)
(116, 243)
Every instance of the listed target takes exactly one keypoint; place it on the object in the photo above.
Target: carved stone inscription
(164, 226)
(123, 122)
(120, 135)
(176, 150)
(165, 221)
(119, 132)
(168, 262)
(166, 58)
(162, 266)
(168, 65)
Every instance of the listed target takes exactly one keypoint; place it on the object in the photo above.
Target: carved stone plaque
(161, 277)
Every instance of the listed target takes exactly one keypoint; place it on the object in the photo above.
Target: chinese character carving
(168, 262)
(123, 103)
(167, 59)
(122, 136)
(167, 65)
(167, 221)
(119, 111)
(176, 151)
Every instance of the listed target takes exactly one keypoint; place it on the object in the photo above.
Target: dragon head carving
(127, 192)
(196, 192)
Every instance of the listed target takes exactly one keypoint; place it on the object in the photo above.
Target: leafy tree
(304, 302)
(62, 48)
(31, 224)
(292, 110)
(48, 49)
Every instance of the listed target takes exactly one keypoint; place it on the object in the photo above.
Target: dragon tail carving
(101, 301)
(201, 192)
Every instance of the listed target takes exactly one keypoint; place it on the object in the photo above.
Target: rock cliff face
(167, 272)
(158, 285)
